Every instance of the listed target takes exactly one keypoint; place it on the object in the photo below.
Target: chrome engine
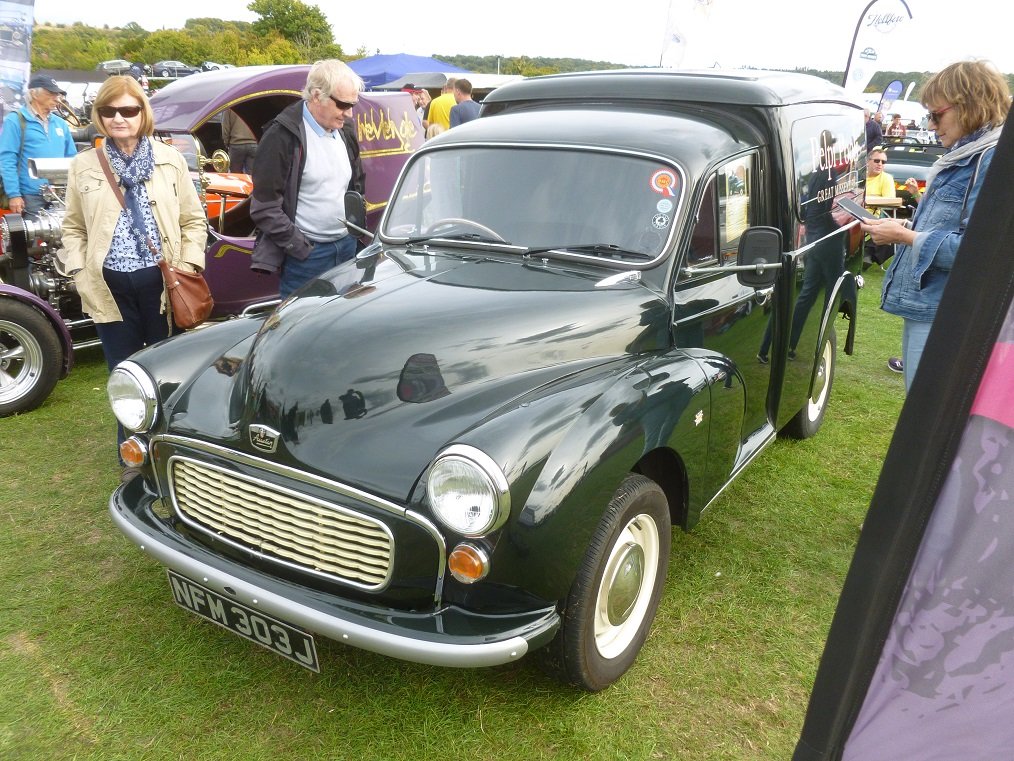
(31, 252)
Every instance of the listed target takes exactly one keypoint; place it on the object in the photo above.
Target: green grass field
(97, 662)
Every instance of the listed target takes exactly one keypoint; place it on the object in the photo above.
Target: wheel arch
(844, 301)
(667, 469)
(59, 326)
(568, 486)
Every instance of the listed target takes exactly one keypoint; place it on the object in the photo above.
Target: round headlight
(132, 396)
(468, 491)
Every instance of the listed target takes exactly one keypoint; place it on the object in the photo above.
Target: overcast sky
(759, 33)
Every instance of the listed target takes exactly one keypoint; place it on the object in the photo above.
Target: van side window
(704, 240)
(735, 184)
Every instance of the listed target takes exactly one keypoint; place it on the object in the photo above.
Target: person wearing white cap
(33, 132)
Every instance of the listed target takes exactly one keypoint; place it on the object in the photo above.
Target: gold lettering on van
(379, 132)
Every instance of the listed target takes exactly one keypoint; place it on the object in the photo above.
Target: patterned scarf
(969, 145)
(133, 172)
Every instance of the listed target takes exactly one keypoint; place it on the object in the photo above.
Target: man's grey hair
(327, 75)
(33, 94)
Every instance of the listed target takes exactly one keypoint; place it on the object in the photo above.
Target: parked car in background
(213, 66)
(172, 69)
(909, 157)
(114, 66)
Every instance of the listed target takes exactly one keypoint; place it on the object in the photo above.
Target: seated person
(878, 184)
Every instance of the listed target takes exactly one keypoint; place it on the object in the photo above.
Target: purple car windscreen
(944, 686)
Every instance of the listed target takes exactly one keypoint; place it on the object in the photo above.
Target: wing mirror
(355, 212)
(758, 258)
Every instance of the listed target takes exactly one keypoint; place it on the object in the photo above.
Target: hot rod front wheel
(31, 357)
(616, 593)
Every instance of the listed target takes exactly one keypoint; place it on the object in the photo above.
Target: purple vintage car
(41, 322)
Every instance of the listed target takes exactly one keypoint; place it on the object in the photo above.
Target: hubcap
(628, 580)
(20, 361)
(821, 382)
(625, 584)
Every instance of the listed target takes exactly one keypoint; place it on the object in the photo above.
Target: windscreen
(539, 197)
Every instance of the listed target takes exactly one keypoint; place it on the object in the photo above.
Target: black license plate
(277, 636)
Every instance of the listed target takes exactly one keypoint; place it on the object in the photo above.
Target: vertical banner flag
(16, 20)
(891, 93)
(877, 42)
(687, 43)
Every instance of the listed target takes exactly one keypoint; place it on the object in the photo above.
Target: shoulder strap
(104, 161)
(21, 145)
(113, 183)
(24, 129)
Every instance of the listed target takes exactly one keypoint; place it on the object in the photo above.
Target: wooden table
(880, 202)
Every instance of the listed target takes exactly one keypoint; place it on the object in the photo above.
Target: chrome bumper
(439, 650)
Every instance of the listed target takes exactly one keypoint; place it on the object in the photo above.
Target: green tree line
(288, 31)
(882, 79)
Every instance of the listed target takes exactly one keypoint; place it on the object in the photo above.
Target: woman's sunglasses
(127, 112)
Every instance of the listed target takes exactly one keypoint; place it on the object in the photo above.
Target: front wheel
(613, 600)
(31, 357)
(808, 420)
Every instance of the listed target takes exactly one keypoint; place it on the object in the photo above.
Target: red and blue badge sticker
(664, 181)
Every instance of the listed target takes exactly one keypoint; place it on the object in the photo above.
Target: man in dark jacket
(874, 132)
(307, 159)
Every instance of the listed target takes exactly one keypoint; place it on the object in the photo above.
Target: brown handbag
(190, 301)
(189, 296)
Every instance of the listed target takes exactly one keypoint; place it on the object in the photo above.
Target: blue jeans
(33, 203)
(322, 257)
(138, 296)
(913, 341)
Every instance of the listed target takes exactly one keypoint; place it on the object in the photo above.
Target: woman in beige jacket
(107, 245)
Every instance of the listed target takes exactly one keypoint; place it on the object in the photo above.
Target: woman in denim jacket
(968, 102)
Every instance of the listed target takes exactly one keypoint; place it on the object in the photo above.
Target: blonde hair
(434, 129)
(978, 92)
(113, 88)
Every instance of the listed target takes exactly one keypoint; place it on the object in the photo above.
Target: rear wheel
(31, 357)
(614, 598)
(808, 420)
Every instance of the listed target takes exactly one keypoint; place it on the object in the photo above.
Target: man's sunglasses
(878, 161)
(342, 105)
(127, 112)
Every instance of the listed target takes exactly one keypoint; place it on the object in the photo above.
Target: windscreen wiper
(476, 237)
(602, 249)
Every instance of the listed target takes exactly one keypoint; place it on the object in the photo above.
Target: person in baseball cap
(46, 83)
(33, 131)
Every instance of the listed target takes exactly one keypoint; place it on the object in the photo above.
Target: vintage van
(585, 313)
